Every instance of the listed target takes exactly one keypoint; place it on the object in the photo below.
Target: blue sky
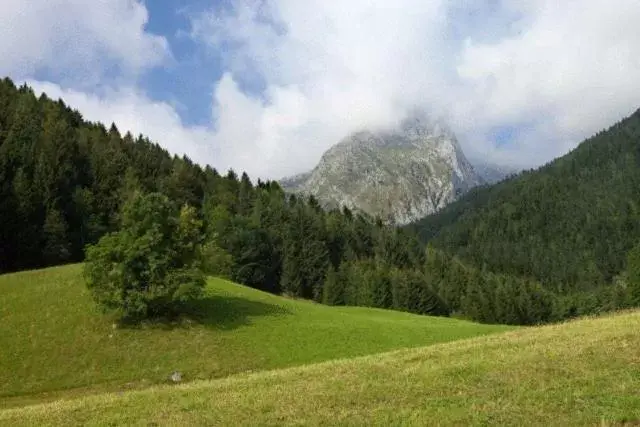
(267, 85)
(187, 80)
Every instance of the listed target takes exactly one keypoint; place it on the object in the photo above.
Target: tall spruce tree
(56, 241)
(633, 275)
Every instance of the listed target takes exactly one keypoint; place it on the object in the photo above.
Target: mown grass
(55, 343)
(581, 373)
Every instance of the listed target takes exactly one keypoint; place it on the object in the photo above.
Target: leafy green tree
(16, 165)
(185, 183)
(28, 220)
(216, 261)
(476, 302)
(55, 168)
(85, 225)
(420, 297)
(255, 263)
(151, 265)
(64, 182)
(400, 289)
(245, 195)
(381, 295)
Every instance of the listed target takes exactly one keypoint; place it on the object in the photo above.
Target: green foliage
(488, 297)
(255, 262)
(216, 261)
(151, 265)
(56, 246)
(376, 284)
(306, 257)
(569, 224)
(633, 275)
(507, 253)
(333, 290)
(76, 183)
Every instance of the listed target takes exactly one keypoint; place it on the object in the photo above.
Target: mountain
(295, 180)
(569, 224)
(491, 173)
(400, 174)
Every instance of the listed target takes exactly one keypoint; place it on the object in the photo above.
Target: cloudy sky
(267, 85)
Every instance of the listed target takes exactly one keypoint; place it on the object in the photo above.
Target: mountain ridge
(399, 174)
(568, 223)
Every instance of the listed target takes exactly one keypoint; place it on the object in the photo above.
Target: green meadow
(57, 344)
(583, 373)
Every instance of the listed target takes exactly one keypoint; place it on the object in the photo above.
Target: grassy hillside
(582, 373)
(53, 338)
(64, 183)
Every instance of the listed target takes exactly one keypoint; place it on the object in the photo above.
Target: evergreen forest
(569, 225)
(539, 247)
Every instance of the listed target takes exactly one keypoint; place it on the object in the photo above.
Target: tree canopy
(543, 246)
(568, 224)
(152, 264)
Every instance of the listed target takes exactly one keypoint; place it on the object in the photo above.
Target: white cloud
(77, 40)
(329, 68)
(248, 138)
(132, 111)
(557, 71)
(573, 70)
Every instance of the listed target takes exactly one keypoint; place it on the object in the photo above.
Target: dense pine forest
(569, 224)
(540, 247)
(63, 182)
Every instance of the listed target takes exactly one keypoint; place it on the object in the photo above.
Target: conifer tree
(333, 292)
(633, 275)
(56, 241)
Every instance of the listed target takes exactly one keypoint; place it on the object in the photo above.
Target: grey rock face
(400, 175)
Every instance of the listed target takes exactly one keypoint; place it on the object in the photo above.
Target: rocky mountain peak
(400, 174)
(417, 125)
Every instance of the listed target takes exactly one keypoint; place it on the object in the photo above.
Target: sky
(266, 86)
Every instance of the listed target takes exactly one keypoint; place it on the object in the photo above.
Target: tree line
(71, 188)
(65, 183)
(569, 224)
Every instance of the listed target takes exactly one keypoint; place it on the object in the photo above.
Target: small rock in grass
(176, 377)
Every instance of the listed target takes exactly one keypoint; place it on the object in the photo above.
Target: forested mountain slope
(64, 180)
(569, 223)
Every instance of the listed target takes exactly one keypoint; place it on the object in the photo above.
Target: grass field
(56, 344)
(580, 373)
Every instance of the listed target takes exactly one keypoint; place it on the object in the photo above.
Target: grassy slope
(581, 373)
(54, 339)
